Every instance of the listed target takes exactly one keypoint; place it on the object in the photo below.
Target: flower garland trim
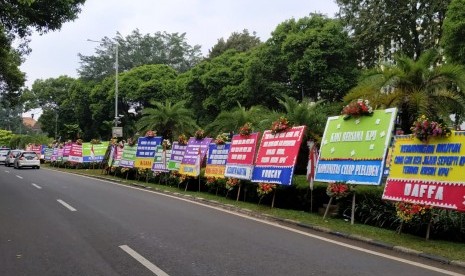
(424, 129)
(150, 133)
(199, 134)
(245, 130)
(231, 183)
(282, 124)
(221, 139)
(182, 139)
(265, 188)
(166, 144)
(338, 189)
(357, 108)
(406, 211)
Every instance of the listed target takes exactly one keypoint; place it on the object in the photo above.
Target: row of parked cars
(19, 158)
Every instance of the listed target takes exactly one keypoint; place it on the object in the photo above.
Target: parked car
(3, 153)
(27, 159)
(10, 157)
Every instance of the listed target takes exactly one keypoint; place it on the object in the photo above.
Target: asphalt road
(54, 223)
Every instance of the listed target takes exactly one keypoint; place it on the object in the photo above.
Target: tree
(311, 57)
(168, 119)
(136, 50)
(381, 28)
(5, 137)
(416, 87)
(454, 31)
(240, 42)
(232, 120)
(54, 96)
(18, 20)
(216, 84)
(311, 114)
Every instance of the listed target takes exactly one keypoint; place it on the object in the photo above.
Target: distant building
(32, 124)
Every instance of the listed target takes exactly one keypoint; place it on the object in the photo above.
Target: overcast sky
(204, 22)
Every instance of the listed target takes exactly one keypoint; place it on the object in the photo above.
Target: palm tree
(168, 119)
(416, 87)
(311, 114)
(228, 121)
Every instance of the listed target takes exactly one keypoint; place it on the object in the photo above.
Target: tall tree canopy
(383, 27)
(136, 50)
(416, 87)
(454, 32)
(240, 42)
(18, 19)
(310, 57)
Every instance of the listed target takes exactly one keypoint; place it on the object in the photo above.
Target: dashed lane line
(66, 205)
(37, 186)
(150, 266)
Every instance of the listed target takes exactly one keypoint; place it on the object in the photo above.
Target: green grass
(449, 250)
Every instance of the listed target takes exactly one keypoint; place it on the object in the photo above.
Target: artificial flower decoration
(166, 144)
(357, 108)
(210, 181)
(406, 210)
(199, 134)
(131, 142)
(95, 141)
(338, 190)
(282, 124)
(265, 188)
(182, 139)
(79, 141)
(245, 130)
(221, 139)
(231, 183)
(150, 133)
(423, 129)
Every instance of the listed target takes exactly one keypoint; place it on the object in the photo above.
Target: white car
(27, 159)
(3, 154)
(10, 158)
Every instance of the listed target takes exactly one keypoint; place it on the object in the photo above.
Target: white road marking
(66, 205)
(417, 264)
(155, 269)
(37, 186)
(18, 176)
(7, 171)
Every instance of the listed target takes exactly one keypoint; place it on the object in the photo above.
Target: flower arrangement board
(35, 148)
(117, 155)
(216, 160)
(177, 154)
(60, 155)
(160, 161)
(66, 150)
(128, 158)
(277, 155)
(75, 153)
(54, 156)
(241, 156)
(48, 154)
(146, 147)
(428, 173)
(94, 152)
(353, 150)
(193, 157)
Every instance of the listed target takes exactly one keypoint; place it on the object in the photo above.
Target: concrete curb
(268, 217)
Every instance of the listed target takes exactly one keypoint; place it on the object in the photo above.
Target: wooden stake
(352, 216)
(274, 196)
(327, 207)
(238, 192)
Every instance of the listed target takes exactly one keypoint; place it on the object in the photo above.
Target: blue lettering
(428, 171)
